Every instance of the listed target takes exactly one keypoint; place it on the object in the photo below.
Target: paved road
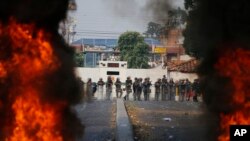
(98, 118)
(170, 121)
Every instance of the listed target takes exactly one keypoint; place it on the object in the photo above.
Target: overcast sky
(109, 18)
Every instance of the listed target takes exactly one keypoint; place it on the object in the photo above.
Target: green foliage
(176, 17)
(192, 37)
(154, 30)
(203, 30)
(79, 59)
(190, 4)
(133, 50)
(127, 41)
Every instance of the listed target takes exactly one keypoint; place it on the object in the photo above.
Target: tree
(154, 30)
(190, 4)
(133, 49)
(176, 17)
(79, 59)
(193, 42)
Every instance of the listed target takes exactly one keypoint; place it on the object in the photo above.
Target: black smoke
(61, 85)
(45, 13)
(146, 10)
(213, 27)
(159, 9)
(124, 8)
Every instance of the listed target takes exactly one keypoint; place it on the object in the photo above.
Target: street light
(72, 5)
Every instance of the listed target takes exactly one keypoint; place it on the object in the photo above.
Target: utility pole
(67, 27)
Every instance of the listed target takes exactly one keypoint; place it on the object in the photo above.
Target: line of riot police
(164, 89)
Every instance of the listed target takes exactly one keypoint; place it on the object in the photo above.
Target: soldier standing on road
(188, 89)
(139, 89)
(81, 85)
(109, 85)
(164, 88)
(128, 84)
(196, 90)
(157, 89)
(135, 85)
(118, 86)
(171, 88)
(149, 89)
(100, 84)
(146, 88)
(89, 90)
(182, 89)
(94, 88)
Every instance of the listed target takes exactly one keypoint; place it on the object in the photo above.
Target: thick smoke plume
(159, 9)
(151, 10)
(46, 13)
(61, 85)
(123, 8)
(214, 28)
(210, 32)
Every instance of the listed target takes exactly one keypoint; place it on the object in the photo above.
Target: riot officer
(139, 89)
(164, 88)
(118, 86)
(188, 89)
(146, 88)
(157, 89)
(135, 85)
(109, 85)
(182, 89)
(171, 87)
(100, 84)
(128, 84)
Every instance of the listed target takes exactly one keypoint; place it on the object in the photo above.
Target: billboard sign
(160, 50)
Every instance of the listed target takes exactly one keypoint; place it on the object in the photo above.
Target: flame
(235, 64)
(35, 120)
(31, 59)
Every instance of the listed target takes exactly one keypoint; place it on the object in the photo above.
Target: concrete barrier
(124, 131)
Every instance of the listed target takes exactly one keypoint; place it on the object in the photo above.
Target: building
(96, 50)
(174, 44)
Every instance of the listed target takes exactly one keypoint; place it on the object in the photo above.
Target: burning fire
(235, 65)
(28, 63)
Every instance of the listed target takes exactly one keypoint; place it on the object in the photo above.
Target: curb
(124, 130)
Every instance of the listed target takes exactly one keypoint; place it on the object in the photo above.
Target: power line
(110, 33)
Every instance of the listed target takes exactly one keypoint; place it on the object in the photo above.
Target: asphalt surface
(151, 120)
(124, 131)
(98, 118)
(170, 121)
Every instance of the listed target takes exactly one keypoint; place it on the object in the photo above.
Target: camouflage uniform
(146, 88)
(171, 87)
(128, 84)
(109, 85)
(157, 89)
(164, 88)
(100, 84)
(118, 85)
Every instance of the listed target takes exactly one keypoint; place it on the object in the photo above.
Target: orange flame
(35, 120)
(235, 64)
(32, 58)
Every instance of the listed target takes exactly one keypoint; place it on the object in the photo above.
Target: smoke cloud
(159, 9)
(210, 32)
(43, 12)
(61, 85)
(213, 28)
(123, 8)
(146, 10)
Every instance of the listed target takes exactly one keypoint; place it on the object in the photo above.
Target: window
(113, 73)
(113, 65)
